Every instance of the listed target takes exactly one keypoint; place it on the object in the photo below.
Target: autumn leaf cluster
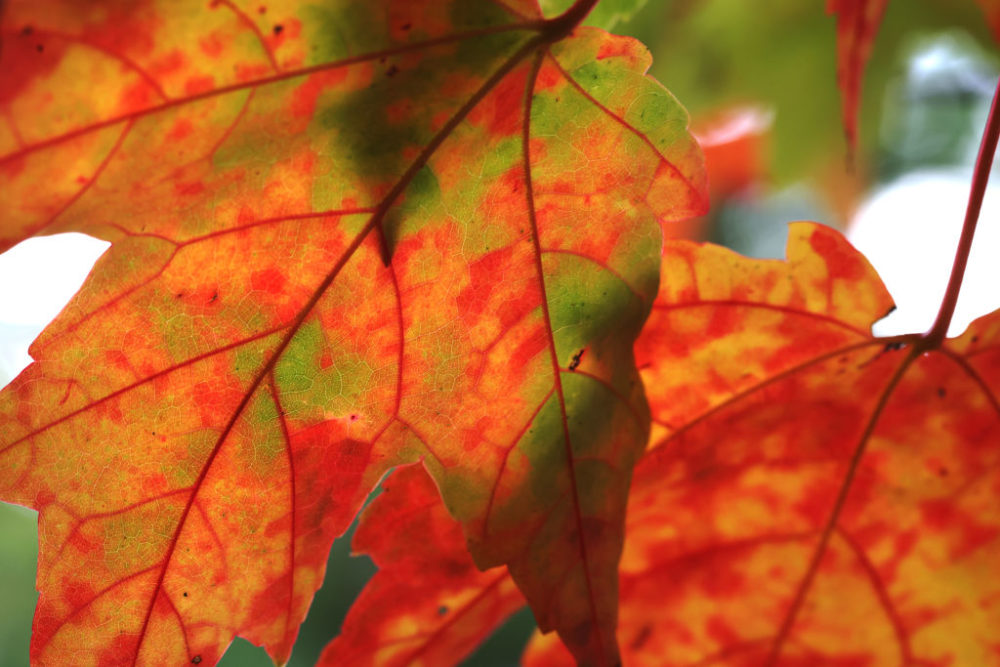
(428, 238)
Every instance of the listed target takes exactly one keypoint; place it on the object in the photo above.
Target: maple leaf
(343, 238)
(811, 494)
(816, 495)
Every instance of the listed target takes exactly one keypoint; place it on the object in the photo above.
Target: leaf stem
(980, 177)
(558, 27)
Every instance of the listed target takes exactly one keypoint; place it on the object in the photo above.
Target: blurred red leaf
(857, 25)
(734, 141)
(992, 10)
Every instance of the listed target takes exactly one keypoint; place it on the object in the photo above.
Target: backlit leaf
(344, 237)
(427, 592)
(817, 496)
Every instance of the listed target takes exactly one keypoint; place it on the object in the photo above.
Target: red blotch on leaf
(271, 281)
(198, 84)
(840, 262)
(211, 46)
(502, 111)
(24, 62)
(303, 101)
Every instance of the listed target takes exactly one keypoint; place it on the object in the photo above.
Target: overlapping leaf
(344, 237)
(427, 592)
(812, 495)
(817, 496)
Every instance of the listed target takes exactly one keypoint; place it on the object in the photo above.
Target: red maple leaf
(343, 239)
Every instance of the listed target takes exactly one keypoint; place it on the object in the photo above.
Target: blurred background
(760, 82)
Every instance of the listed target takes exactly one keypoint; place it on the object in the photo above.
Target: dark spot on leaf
(392, 70)
(180, 295)
(442, 610)
(278, 28)
(575, 363)
(185, 593)
(941, 392)
(942, 471)
(27, 30)
(975, 339)
(196, 660)
(262, 9)
(39, 48)
(406, 26)
(214, 298)
(354, 418)
(641, 637)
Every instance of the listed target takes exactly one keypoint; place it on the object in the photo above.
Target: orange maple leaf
(813, 494)
(343, 238)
